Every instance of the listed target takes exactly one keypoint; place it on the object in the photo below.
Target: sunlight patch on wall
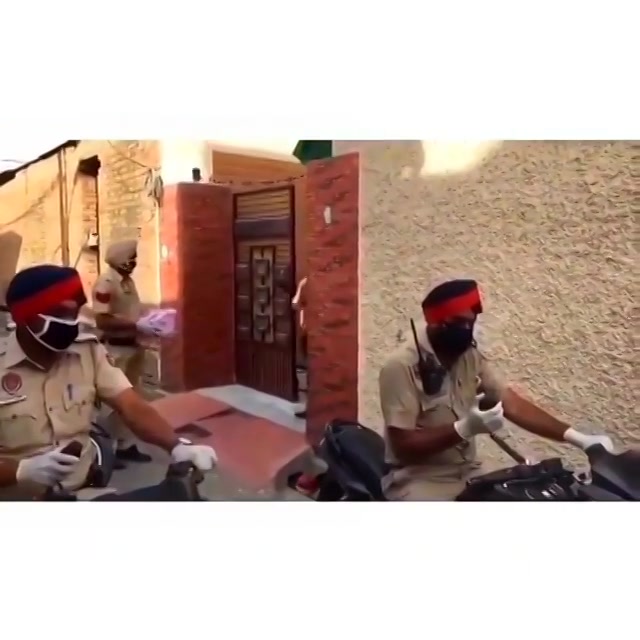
(179, 157)
(260, 148)
(445, 158)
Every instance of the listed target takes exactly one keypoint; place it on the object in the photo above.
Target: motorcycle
(356, 471)
(179, 485)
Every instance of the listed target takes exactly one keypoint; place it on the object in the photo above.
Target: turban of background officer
(121, 254)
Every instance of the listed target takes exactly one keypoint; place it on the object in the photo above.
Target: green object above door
(308, 150)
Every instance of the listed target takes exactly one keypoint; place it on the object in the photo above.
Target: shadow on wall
(33, 206)
(10, 246)
(548, 230)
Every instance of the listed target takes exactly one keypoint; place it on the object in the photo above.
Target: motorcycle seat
(616, 472)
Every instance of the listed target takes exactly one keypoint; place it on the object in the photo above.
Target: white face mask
(57, 334)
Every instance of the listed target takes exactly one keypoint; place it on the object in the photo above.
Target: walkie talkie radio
(432, 373)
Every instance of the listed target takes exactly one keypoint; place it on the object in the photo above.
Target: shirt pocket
(79, 398)
(18, 428)
(436, 411)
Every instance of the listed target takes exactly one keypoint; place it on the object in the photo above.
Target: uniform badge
(11, 383)
(111, 360)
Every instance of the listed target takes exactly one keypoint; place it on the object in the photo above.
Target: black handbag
(354, 456)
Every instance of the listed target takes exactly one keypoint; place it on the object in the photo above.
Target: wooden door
(264, 281)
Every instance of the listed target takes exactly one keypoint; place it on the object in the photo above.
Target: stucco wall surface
(549, 229)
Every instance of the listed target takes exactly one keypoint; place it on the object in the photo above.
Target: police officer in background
(117, 308)
(430, 406)
(50, 377)
(299, 304)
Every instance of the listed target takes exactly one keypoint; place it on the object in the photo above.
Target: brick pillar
(196, 273)
(333, 296)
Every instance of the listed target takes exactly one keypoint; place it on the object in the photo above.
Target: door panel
(265, 339)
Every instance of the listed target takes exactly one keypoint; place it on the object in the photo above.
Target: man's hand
(47, 469)
(200, 456)
(478, 421)
(584, 440)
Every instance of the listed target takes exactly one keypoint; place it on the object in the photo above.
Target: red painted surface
(184, 408)
(197, 279)
(256, 452)
(332, 290)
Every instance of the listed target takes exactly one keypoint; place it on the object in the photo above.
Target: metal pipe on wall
(64, 207)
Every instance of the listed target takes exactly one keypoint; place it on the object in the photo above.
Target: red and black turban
(38, 290)
(451, 299)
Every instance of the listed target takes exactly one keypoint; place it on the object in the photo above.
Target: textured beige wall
(550, 229)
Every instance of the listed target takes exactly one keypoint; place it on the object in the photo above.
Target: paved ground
(216, 486)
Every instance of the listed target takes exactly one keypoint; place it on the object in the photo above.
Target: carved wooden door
(265, 329)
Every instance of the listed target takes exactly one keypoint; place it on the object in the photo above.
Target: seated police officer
(50, 377)
(430, 404)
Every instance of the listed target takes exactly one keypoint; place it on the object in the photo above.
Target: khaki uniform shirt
(116, 295)
(41, 410)
(405, 405)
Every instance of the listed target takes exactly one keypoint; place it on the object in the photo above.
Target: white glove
(477, 421)
(584, 440)
(47, 469)
(160, 322)
(200, 456)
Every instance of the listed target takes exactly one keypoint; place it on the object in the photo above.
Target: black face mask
(57, 334)
(128, 267)
(452, 339)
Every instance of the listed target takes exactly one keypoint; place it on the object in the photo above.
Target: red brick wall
(197, 278)
(333, 299)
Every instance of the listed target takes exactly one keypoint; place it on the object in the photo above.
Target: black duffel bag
(355, 462)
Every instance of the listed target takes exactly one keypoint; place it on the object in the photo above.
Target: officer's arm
(400, 408)
(299, 299)
(101, 300)
(8, 470)
(519, 410)
(114, 388)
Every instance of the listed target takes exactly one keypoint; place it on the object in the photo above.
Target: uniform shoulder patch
(103, 296)
(111, 360)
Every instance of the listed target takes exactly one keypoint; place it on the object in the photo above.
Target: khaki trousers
(131, 361)
(418, 487)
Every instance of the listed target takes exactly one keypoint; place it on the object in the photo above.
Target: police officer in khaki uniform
(117, 308)
(50, 377)
(299, 304)
(431, 407)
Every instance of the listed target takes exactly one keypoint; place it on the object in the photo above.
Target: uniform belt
(120, 342)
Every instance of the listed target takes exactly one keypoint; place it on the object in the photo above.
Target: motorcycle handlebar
(596, 451)
(182, 479)
(489, 401)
